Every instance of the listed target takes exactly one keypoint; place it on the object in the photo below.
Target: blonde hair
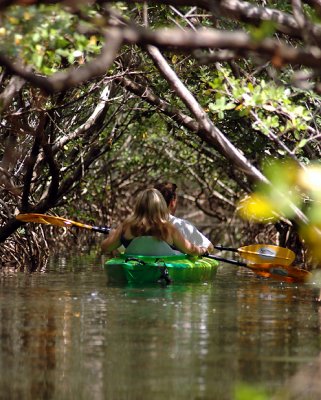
(150, 216)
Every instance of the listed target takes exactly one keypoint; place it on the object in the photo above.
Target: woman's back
(149, 246)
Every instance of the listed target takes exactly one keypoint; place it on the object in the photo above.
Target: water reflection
(66, 334)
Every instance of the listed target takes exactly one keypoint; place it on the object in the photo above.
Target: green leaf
(314, 214)
(302, 143)
(266, 29)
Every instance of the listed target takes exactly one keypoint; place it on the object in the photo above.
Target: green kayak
(163, 269)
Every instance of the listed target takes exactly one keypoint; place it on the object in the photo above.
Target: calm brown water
(66, 334)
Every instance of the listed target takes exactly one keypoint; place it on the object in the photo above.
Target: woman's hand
(210, 248)
(203, 251)
(113, 240)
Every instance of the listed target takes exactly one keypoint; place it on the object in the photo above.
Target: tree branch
(208, 131)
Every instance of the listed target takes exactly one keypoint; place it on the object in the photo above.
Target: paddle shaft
(227, 260)
(220, 247)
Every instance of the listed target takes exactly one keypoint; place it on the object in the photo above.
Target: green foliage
(46, 37)
(248, 392)
(264, 30)
(290, 186)
(220, 106)
(267, 107)
(274, 201)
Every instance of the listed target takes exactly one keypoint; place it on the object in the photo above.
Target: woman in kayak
(150, 218)
(189, 231)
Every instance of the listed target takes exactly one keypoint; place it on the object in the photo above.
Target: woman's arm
(184, 245)
(113, 240)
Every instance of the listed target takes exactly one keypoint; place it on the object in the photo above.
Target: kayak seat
(150, 246)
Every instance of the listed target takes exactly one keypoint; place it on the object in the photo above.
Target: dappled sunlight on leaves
(283, 174)
(258, 208)
(311, 234)
(310, 179)
(291, 185)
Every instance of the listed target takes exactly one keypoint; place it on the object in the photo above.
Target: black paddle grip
(101, 229)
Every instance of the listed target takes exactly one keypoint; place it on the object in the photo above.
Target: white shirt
(189, 231)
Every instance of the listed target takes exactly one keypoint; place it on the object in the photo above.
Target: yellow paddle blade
(267, 253)
(58, 221)
(281, 272)
(45, 219)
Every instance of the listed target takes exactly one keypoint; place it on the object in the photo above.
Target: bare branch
(102, 104)
(210, 133)
(13, 87)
